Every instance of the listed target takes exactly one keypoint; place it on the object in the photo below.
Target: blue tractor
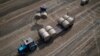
(28, 46)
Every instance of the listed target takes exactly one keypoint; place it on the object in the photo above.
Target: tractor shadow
(36, 26)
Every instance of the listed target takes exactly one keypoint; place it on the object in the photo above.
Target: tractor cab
(43, 9)
(84, 2)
